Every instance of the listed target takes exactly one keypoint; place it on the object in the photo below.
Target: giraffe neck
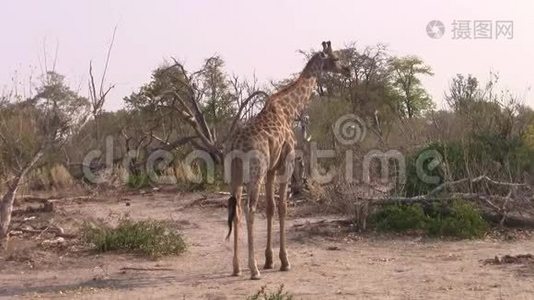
(291, 101)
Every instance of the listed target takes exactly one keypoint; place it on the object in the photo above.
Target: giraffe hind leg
(253, 193)
(236, 194)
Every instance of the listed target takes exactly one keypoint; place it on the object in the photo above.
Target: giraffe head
(331, 62)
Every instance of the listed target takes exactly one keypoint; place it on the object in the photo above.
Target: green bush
(138, 181)
(263, 294)
(399, 218)
(460, 219)
(151, 238)
(453, 161)
(482, 154)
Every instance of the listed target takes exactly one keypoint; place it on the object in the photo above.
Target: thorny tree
(208, 102)
(29, 129)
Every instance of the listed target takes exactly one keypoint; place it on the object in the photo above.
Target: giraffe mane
(288, 86)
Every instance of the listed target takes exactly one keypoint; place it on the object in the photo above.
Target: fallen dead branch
(145, 269)
(204, 201)
(499, 204)
(55, 230)
(447, 184)
(32, 198)
(511, 259)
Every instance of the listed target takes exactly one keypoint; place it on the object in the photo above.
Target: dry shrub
(48, 178)
(180, 173)
(60, 177)
(352, 199)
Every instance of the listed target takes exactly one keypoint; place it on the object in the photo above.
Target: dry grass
(50, 178)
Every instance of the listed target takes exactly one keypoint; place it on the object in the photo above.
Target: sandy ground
(326, 264)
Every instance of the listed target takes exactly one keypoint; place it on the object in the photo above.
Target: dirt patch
(329, 259)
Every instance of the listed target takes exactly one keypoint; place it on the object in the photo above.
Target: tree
(484, 108)
(365, 88)
(30, 129)
(405, 75)
(205, 100)
(463, 93)
(369, 90)
(217, 104)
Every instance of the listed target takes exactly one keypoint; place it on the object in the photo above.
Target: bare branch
(241, 108)
(102, 94)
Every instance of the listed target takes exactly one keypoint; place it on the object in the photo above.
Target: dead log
(510, 221)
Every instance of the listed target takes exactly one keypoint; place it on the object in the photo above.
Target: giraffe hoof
(268, 265)
(255, 277)
(285, 268)
(236, 273)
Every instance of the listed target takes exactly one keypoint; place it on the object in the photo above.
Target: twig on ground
(145, 269)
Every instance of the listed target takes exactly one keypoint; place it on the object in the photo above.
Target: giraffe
(264, 148)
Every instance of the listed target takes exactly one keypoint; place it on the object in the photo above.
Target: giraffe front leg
(282, 208)
(270, 212)
(284, 176)
(253, 192)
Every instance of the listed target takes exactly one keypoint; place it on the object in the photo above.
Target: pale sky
(256, 37)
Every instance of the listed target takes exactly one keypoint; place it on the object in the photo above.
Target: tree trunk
(6, 204)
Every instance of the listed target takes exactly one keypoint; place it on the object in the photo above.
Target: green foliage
(263, 294)
(495, 124)
(483, 154)
(400, 218)
(460, 219)
(463, 93)
(463, 221)
(151, 238)
(511, 152)
(218, 105)
(453, 161)
(405, 73)
(138, 181)
(38, 123)
(57, 100)
(322, 115)
(528, 137)
(525, 153)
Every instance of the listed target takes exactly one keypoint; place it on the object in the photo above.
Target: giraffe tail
(232, 207)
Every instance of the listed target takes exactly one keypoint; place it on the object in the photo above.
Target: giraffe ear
(324, 46)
